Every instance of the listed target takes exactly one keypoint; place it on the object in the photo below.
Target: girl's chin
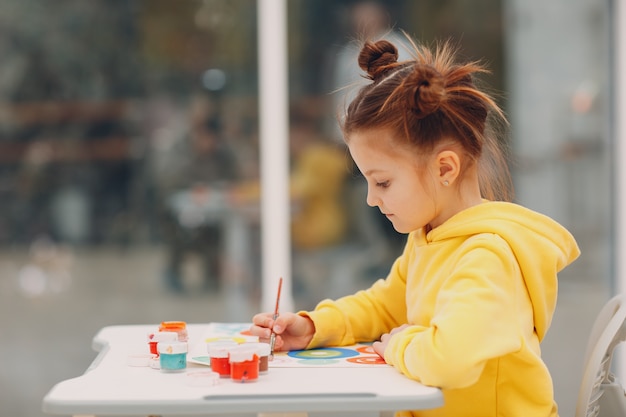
(398, 228)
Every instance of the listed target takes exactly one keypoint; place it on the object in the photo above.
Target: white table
(111, 387)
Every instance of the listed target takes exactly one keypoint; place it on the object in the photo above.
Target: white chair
(600, 393)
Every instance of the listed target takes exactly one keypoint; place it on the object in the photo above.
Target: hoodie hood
(541, 246)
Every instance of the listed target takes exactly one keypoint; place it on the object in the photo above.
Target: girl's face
(403, 190)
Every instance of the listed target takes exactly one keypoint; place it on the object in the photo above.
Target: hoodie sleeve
(476, 318)
(365, 315)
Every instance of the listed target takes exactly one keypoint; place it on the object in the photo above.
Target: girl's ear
(448, 167)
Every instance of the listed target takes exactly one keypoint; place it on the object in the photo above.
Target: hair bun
(426, 89)
(376, 58)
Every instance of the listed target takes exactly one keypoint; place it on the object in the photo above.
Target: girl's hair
(430, 99)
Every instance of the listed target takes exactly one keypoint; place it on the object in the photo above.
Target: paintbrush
(273, 335)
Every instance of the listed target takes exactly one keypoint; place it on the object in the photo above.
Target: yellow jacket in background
(478, 294)
(317, 183)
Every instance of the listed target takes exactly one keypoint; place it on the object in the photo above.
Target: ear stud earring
(446, 183)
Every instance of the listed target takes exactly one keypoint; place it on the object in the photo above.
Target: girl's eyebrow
(372, 171)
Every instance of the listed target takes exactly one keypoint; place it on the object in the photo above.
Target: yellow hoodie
(478, 294)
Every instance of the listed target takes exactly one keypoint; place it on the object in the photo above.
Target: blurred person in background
(322, 229)
(318, 176)
(319, 171)
(198, 169)
(368, 19)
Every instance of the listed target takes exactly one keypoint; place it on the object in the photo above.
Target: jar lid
(163, 337)
(172, 325)
(220, 349)
(172, 347)
(242, 353)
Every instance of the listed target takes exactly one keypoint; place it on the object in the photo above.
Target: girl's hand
(293, 331)
(379, 347)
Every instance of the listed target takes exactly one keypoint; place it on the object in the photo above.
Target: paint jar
(218, 353)
(244, 364)
(263, 351)
(172, 356)
(179, 327)
(155, 338)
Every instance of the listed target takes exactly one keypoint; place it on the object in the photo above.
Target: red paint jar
(219, 352)
(244, 364)
(263, 351)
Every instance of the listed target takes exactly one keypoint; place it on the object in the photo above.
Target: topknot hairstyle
(429, 99)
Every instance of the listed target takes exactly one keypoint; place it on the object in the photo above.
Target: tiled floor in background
(45, 339)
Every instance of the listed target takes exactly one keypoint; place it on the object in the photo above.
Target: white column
(620, 150)
(274, 149)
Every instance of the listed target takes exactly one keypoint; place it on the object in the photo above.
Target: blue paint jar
(172, 356)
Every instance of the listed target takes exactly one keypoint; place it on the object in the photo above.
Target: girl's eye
(383, 184)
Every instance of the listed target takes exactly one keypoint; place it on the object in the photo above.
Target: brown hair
(430, 98)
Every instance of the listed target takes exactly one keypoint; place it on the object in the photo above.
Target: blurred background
(129, 163)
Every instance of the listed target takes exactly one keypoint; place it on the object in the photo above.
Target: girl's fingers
(281, 323)
(262, 319)
(261, 332)
(261, 325)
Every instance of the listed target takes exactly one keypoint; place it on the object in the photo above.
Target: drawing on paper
(345, 356)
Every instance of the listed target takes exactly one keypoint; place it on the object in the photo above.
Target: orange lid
(173, 325)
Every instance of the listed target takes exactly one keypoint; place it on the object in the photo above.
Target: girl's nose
(371, 198)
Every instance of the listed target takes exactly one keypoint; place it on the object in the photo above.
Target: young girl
(468, 302)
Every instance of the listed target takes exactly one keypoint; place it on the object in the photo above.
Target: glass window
(129, 162)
